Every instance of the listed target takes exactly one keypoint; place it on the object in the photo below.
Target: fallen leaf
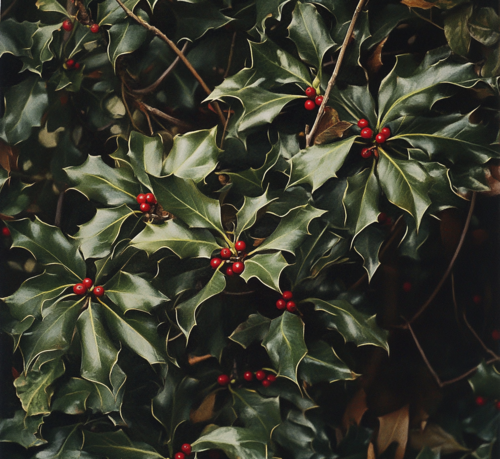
(355, 410)
(8, 156)
(417, 4)
(194, 359)
(205, 411)
(375, 60)
(492, 174)
(371, 452)
(435, 438)
(330, 127)
(394, 428)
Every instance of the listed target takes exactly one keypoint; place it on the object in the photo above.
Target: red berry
(362, 123)
(311, 92)
(271, 378)
(382, 217)
(70, 63)
(281, 304)
(388, 222)
(150, 198)
(291, 306)
(480, 401)
(386, 132)
(366, 153)
(215, 262)
(67, 25)
(318, 100)
(309, 104)
(186, 448)
(179, 456)
(5, 231)
(94, 28)
(77, 65)
(79, 289)
(260, 375)
(248, 376)
(287, 295)
(87, 282)
(238, 267)
(366, 133)
(145, 207)
(266, 383)
(141, 198)
(99, 291)
(223, 380)
(229, 271)
(477, 299)
(497, 405)
(495, 334)
(240, 246)
(380, 138)
(225, 253)
(407, 286)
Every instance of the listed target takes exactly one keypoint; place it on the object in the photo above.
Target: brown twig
(224, 131)
(177, 51)
(333, 78)
(452, 262)
(170, 118)
(59, 209)
(164, 75)
(129, 113)
(230, 58)
(9, 8)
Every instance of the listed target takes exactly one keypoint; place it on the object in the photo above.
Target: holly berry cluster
(481, 401)
(313, 100)
(285, 302)
(367, 133)
(384, 219)
(71, 64)
(185, 451)
(266, 379)
(85, 285)
(67, 25)
(225, 254)
(146, 201)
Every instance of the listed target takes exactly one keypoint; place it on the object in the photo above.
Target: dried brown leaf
(492, 175)
(375, 60)
(205, 411)
(394, 428)
(258, 241)
(8, 156)
(330, 127)
(371, 452)
(355, 410)
(434, 437)
(417, 4)
(194, 359)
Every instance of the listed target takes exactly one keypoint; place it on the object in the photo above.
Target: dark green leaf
(486, 381)
(255, 328)
(146, 155)
(247, 214)
(267, 268)
(354, 103)
(110, 12)
(51, 5)
(21, 429)
(65, 443)
(456, 29)
(289, 199)
(40, 50)
(267, 9)
(71, 398)
(124, 38)
(16, 37)
(368, 244)
(484, 26)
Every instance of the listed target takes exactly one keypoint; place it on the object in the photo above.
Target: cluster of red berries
(313, 100)
(384, 219)
(5, 232)
(367, 133)
(225, 254)
(86, 284)
(67, 25)
(145, 201)
(185, 451)
(260, 375)
(71, 64)
(285, 302)
(481, 401)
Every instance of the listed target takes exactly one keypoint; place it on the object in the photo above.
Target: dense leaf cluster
(133, 373)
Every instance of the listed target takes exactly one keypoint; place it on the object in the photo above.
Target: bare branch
(163, 115)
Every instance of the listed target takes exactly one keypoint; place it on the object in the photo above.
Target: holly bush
(249, 229)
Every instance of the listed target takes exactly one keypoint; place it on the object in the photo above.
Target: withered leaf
(435, 438)
(330, 127)
(375, 60)
(394, 428)
(355, 410)
(205, 411)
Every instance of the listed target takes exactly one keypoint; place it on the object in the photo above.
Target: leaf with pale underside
(265, 267)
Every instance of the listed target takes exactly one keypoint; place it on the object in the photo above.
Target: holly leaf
(267, 268)
(33, 388)
(322, 364)
(285, 344)
(456, 29)
(40, 49)
(52, 6)
(193, 156)
(309, 33)
(186, 311)
(267, 9)
(484, 26)
(21, 429)
(174, 235)
(146, 155)
(64, 443)
(486, 381)
(249, 211)
(350, 323)
(291, 231)
(108, 186)
(96, 237)
(405, 183)
(353, 103)
(125, 37)
(25, 103)
(48, 245)
(319, 163)
(288, 200)
(236, 442)
(16, 37)
(71, 397)
(109, 12)
(182, 198)
(255, 328)
(131, 292)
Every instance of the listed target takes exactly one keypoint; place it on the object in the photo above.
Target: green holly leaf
(21, 429)
(186, 311)
(99, 182)
(40, 49)
(33, 388)
(367, 244)
(285, 344)
(125, 37)
(236, 442)
(322, 364)
(48, 245)
(353, 103)
(261, 414)
(182, 198)
(116, 445)
(146, 155)
(16, 37)
(267, 9)
(25, 104)
(109, 12)
(249, 211)
(291, 230)
(486, 381)
(319, 163)
(96, 237)
(255, 328)
(361, 200)
(193, 156)
(4, 177)
(52, 6)
(65, 443)
(456, 29)
(339, 250)
(131, 292)
(102, 399)
(484, 26)
(310, 34)
(16, 197)
(53, 333)
(350, 323)
(99, 354)
(405, 184)
(288, 200)
(267, 268)
(84, 39)
(71, 397)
